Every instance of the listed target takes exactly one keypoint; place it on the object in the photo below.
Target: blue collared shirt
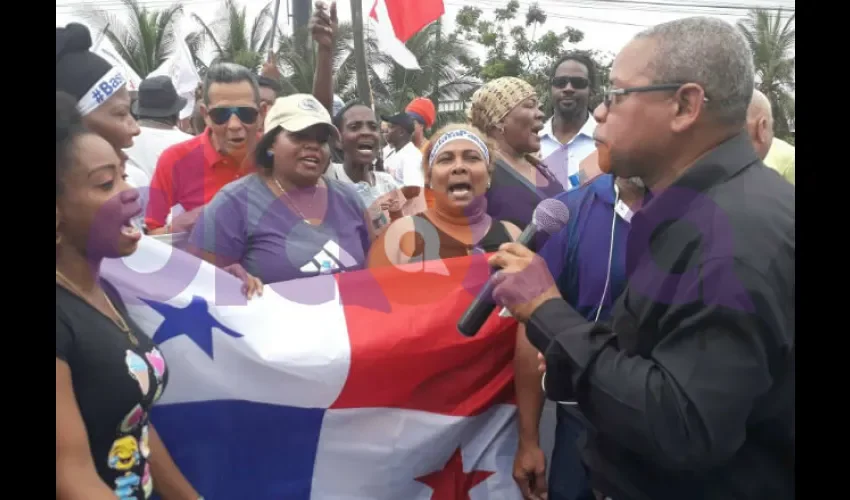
(563, 159)
(578, 255)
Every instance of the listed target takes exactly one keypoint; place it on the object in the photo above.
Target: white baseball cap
(298, 112)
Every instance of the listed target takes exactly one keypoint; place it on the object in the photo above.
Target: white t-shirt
(371, 195)
(150, 144)
(406, 167)
(388, 151)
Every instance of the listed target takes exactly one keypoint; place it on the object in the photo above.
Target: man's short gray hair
(710, 52)
(225, 72)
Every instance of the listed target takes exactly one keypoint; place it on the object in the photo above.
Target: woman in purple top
(508, 111)
(287, 221)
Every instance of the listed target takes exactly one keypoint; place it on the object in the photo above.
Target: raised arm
(323, 27)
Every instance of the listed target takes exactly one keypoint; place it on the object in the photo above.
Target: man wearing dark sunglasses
(190, 173)
(567, 138)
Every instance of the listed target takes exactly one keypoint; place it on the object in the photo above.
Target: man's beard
(572, 114)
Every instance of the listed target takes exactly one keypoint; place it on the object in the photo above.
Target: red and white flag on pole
(396, 21)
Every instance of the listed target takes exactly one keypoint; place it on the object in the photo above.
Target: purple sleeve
(221, 227)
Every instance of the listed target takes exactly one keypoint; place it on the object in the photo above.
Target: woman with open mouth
(359, 144)
(508, 111)
(103, 98)
(288, 220)
(355, 155)
(458, 167)
(108, 372)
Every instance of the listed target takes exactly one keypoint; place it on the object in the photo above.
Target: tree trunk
(363, 89)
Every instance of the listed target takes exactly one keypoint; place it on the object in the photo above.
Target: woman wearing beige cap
(287, 221)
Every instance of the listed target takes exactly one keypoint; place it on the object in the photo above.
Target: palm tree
(144, 40)
(234, 38)
(443, 76)
(772, 44)
(297, 60)
(195, 44)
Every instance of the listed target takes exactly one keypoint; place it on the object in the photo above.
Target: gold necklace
(118, 319)
(291, 202)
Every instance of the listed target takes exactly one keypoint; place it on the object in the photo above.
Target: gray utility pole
(363, 88)
(301, 11)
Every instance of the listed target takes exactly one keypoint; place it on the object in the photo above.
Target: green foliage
(297, 61)
(772, 42)
(518, 46)
(144, 38)
(234, 37)
(443, 76)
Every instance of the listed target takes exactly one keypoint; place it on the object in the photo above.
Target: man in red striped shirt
(190, 173)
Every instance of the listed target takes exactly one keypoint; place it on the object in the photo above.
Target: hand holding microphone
(523, 281)
(523, 274)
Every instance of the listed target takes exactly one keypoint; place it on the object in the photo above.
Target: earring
(58, 237)
(488, 184)
(269, 153)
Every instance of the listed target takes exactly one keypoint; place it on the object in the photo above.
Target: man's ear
(763, 129)
(689, 101)
(205, 115)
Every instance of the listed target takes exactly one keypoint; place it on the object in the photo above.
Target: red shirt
(190, 173)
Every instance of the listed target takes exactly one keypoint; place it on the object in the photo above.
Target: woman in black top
(458, 164)
(108, 372)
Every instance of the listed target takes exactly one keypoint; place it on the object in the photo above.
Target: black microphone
(549, 217)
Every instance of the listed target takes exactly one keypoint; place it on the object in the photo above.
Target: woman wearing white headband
(458, 164)
(108, 373)
(101, 92)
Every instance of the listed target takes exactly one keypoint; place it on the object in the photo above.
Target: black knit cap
(77, 68)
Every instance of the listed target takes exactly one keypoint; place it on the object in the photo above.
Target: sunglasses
(246, 115)
(578, 82)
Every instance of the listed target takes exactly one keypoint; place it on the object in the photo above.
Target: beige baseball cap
(297, 112)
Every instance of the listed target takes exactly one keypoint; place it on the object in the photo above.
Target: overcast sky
(607, 24)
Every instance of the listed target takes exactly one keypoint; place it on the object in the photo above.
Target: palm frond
(772, 42)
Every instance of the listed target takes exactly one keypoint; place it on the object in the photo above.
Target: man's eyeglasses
(246, 115)
(609, 93)
(578, 82)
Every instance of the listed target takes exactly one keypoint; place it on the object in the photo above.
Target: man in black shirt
(690, 391)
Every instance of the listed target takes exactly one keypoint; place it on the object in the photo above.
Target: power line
(118, 6)
(739, 6)
(622, 5)
(556, 16)
(594, 5)
(625, 5)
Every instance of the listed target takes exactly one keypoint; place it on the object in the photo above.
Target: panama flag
(347, 386)
(396, 21)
